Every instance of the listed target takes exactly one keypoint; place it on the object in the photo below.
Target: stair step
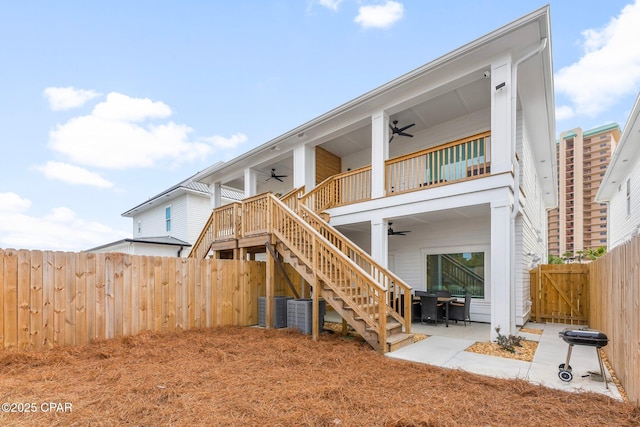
(397, 341)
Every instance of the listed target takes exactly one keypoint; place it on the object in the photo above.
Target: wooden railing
(256, 215)
(227, 219)
(201, 247)
(354, 286)
(460, 160)
(291, 198)
(341, 189)
(223, 224)
(381, 275)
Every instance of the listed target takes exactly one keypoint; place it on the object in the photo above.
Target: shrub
(508, 343)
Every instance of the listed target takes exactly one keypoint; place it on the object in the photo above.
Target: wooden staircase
(396, 338)
(351, 282)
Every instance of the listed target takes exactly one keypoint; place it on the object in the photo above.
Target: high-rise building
(580, 222)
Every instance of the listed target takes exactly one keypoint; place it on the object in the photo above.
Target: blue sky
(103, 105)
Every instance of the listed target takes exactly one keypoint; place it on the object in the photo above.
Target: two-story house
(168, 223)
(620, 186)
(443, 175)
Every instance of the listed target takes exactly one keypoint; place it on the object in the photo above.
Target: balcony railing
(461, 160)
(456, 161)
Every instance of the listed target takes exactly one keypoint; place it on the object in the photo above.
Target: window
(628, 196)
(458, 273)
(167, 217)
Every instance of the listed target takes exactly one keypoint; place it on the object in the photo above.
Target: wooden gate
(560, 293)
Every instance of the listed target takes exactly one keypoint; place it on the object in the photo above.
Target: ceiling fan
(275, 176)
(395, 130)
(392, 232)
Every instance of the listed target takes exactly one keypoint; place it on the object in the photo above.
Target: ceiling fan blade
(391, 139)
(278, 178)
(406, 127)
(405, 134)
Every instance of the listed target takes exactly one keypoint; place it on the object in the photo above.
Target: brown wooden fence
(63, 298)
(603, 294)
(560, 294)
(615, 310)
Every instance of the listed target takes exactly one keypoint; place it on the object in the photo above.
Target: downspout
(180, 251)
(516, 177)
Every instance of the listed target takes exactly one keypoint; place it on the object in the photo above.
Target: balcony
(457, 161)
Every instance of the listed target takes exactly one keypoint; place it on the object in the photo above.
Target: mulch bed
(236, 376)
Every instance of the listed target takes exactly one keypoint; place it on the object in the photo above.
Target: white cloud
(73, 174)
(380, 16)
(564, 112)
(609, 69)
(119, 107)
(330, 4)
(60, 229)
(65, 98)
(119, 134)
(228, 143)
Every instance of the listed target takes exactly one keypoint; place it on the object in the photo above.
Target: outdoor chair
(460, 311)
(430, 309)
(443, 294)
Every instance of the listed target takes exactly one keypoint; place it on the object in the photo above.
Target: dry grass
(254, 377)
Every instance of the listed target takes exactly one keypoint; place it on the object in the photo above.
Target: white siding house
(620, 187)
(471, 185)
(170, 222)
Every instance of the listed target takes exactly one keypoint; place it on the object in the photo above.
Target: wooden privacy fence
(615, 310)
(560, 293)
(63, 298)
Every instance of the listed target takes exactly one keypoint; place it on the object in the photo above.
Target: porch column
(502, 116)
(250, 182)
(379, 152)
(501, 259)
(304, 167)
(216, 194)
(380, 241)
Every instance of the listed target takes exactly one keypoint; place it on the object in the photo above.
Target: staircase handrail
(312, 196)
(364, 296)
(213, 231)
(205, 239)
(291, 198)
(379, 273)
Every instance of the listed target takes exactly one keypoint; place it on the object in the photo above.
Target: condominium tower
(579, 222)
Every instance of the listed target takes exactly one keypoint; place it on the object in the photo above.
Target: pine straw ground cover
(254, 377)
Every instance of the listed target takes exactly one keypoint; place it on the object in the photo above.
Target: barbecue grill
(585, 336)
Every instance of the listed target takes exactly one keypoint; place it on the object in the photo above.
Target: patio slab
(445, 347)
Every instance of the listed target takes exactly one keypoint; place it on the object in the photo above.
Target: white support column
(380, 241)
(501, 259)
(304, 167)
(502, 115)
(216, 194)
(250, 182)
(379, 152)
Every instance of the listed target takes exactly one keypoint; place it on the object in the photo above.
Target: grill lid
(585, 336)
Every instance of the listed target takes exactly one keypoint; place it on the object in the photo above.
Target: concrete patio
(445, 347)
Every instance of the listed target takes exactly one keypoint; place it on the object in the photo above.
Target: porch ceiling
(466, 99)
(407, 222)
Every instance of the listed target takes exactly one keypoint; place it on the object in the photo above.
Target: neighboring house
(170, 222)
(620, 187)
(481, 120)
(580, 222)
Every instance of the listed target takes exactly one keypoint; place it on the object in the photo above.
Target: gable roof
(624, 158)
(189, 185)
